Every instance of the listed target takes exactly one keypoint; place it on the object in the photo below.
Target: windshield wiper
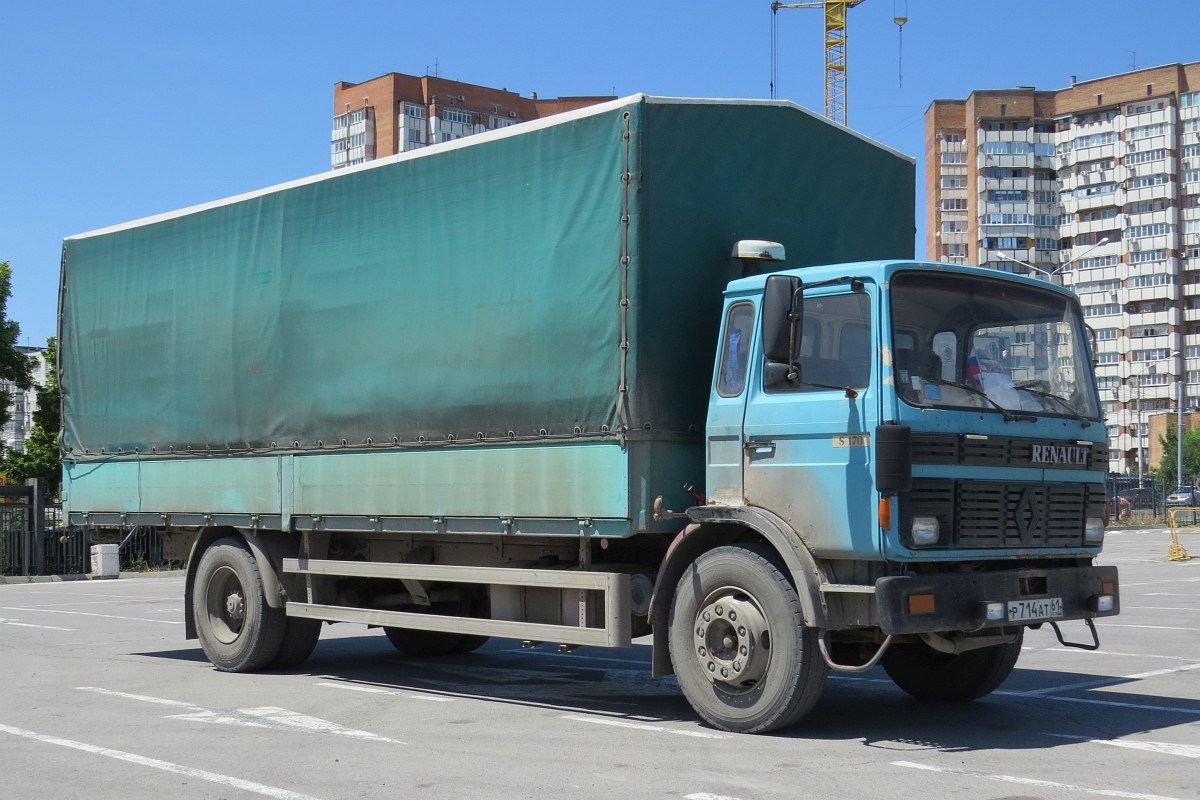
(1061, 401)
(1008, 415)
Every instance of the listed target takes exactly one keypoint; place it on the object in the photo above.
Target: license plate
(1027, 610)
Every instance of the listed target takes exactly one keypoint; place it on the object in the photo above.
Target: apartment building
(396, 113)
(1095, 187)
(24, 401)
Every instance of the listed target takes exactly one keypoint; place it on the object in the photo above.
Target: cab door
(807, 451)
(727, 405)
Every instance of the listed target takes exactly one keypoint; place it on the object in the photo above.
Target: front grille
(982, 514)
(994, 451)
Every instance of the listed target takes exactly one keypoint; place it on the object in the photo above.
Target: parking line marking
(1077, 651)
(154, 763)
(707, 796)
(1148, 627)
(1185, 750)
(616, 723)
(1113, 704)
(90, 614)
(1031, 782)
(1155, 608)
(16, 624)
(145, 698)
(377, 690)
(264, 717)
(1105, 681)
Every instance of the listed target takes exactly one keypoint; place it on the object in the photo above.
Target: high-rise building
(395, 113)
(1096, 187)
(24, 401)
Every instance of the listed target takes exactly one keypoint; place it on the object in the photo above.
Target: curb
(17, 579)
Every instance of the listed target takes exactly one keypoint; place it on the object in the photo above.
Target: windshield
(962, 341)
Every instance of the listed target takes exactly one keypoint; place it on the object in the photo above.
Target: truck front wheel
(238, 630)
(936, 677)
(743, 656)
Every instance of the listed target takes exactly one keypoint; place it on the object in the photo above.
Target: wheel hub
(235, 606)
(732, 639)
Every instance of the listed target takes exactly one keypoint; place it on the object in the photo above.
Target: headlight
(925, 531)
(1093, 530)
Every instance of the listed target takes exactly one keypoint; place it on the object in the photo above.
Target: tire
(300, 637)
(237, 629)
(423, 644)
(936, 677)
(756, 669)
(426, 644)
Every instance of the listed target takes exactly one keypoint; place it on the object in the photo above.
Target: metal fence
(35, 541)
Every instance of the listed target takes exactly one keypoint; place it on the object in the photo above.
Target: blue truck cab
(931, 434)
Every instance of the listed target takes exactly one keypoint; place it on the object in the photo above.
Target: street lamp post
(1050, 273)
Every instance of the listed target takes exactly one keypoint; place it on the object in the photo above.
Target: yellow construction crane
(835, 52)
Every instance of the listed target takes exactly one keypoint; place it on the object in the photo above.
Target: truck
(657, 368)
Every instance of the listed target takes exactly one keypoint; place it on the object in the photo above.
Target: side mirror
(782, 323)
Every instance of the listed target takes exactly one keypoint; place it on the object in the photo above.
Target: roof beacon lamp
(754, 253)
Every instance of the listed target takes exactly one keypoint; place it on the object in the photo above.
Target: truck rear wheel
(422, 644)
(300, 637)
(744, 658)
(425, 644)
(238, 630)
(936, 677)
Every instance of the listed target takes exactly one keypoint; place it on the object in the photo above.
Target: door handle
(759, 449)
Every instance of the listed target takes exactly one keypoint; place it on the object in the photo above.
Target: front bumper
(910, 604)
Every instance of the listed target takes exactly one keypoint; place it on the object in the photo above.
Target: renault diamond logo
(1028, 516)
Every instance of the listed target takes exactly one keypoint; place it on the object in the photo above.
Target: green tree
(42, 458)
(1168, 467)
(16, 370)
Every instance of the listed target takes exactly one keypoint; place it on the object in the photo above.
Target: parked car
(1184, 496)
(1139, 497)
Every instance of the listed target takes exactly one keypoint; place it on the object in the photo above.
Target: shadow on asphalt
(867, 708)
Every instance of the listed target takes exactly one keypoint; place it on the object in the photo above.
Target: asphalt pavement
(101, 697)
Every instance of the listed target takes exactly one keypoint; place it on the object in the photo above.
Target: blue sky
(114, 111)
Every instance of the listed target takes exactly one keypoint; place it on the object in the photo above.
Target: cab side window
(835, 348)
(735, 350)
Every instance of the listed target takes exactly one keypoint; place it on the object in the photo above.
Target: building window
(1005, 219)
(1005, 148)
(958, 204)
(954, 158)
(1095, 139)
(1006, 243)
(1148, 155)
(1098, 286)
(1190, 99)
(1096, 262)
(1005, 173)
(1095, 190)
(1146, 131)
(1142, 181)
(457, 115)
(954, 181)
(1146, 281)
(1157, 229)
